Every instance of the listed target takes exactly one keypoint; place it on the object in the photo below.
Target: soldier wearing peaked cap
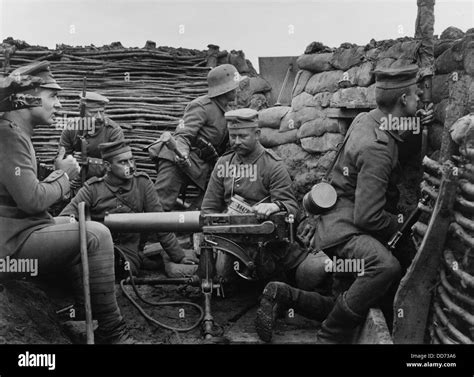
(201, 137)
(29, 98)
(122, 190)
(365, 214)
(95, 129)
(258, 177)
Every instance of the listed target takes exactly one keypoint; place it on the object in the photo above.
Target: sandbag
(288, 122)
(323, 98)
(271, 117)
(306, 114)
(441, 46)
(463, 128)
(327, 142)
(315, 63)
(323, 82)
(353, 98)
(440, 87)
(468, 61)
(301, 79)
(384, 63)
(271, 138)
(345, 58)
(303, 100)
(452, 32)
(361, 75)
(401, 50)
(319, 126)
(453, 58)
(440, 110)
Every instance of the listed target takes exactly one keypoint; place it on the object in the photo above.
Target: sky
(260, 28)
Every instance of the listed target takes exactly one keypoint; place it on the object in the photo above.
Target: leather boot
(278, 297)
(117, 335)
(339, 326)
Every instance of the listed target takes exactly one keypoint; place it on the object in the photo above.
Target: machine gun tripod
(221, 232)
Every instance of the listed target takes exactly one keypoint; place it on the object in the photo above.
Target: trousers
(57, 249)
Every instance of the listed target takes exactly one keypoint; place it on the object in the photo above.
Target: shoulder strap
(340, 147)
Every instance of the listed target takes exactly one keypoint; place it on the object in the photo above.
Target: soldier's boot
(112, 328)
(116, 335)
(339, 326)
(278, 297)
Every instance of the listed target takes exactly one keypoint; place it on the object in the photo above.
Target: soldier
(122, 190)
(201, 138)
(360, 224)
(96, 128)
(259, 176)
(29, 98)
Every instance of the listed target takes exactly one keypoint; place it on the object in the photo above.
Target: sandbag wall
(148, 87)
(334, 85)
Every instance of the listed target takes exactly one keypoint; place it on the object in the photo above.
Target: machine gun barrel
(189, 221)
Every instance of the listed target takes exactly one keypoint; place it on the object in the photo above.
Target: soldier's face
(46, 114)
(122, 166)
(411, 100)
(243, 141)
(97, 114)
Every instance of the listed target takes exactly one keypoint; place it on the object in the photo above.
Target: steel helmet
(222, 79)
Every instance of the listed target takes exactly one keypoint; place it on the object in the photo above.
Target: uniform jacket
(367, 196)
(23, 199)
(203, 117)
(135, 196)
(270, 179)
(71, 141)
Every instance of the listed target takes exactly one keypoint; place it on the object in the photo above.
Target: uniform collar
(252, 157)
(114, 186)
(377, 115)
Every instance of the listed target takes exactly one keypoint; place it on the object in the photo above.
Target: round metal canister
(320, 199)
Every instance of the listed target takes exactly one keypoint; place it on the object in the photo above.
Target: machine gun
(221, 232)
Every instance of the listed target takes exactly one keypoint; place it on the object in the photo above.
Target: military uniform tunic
(71, 141)
(133, 196)
(24, 200)
(365, 178)
(203, 117)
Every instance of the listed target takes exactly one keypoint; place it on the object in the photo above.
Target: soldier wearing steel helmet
(201, 138)
(28, 98)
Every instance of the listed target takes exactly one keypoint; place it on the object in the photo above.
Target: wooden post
(413, 298)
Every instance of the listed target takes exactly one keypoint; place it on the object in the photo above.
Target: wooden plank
(413, 298)
(374, 330)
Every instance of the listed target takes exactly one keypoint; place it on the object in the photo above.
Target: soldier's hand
(189, 257)
(263, 210)
(184, 160)
(306, 231)
(426, 115)
(68, 164)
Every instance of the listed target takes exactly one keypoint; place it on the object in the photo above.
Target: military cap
(109, 150)
(94, 98)
(241, 118)
(22, 79)
(396, 78)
